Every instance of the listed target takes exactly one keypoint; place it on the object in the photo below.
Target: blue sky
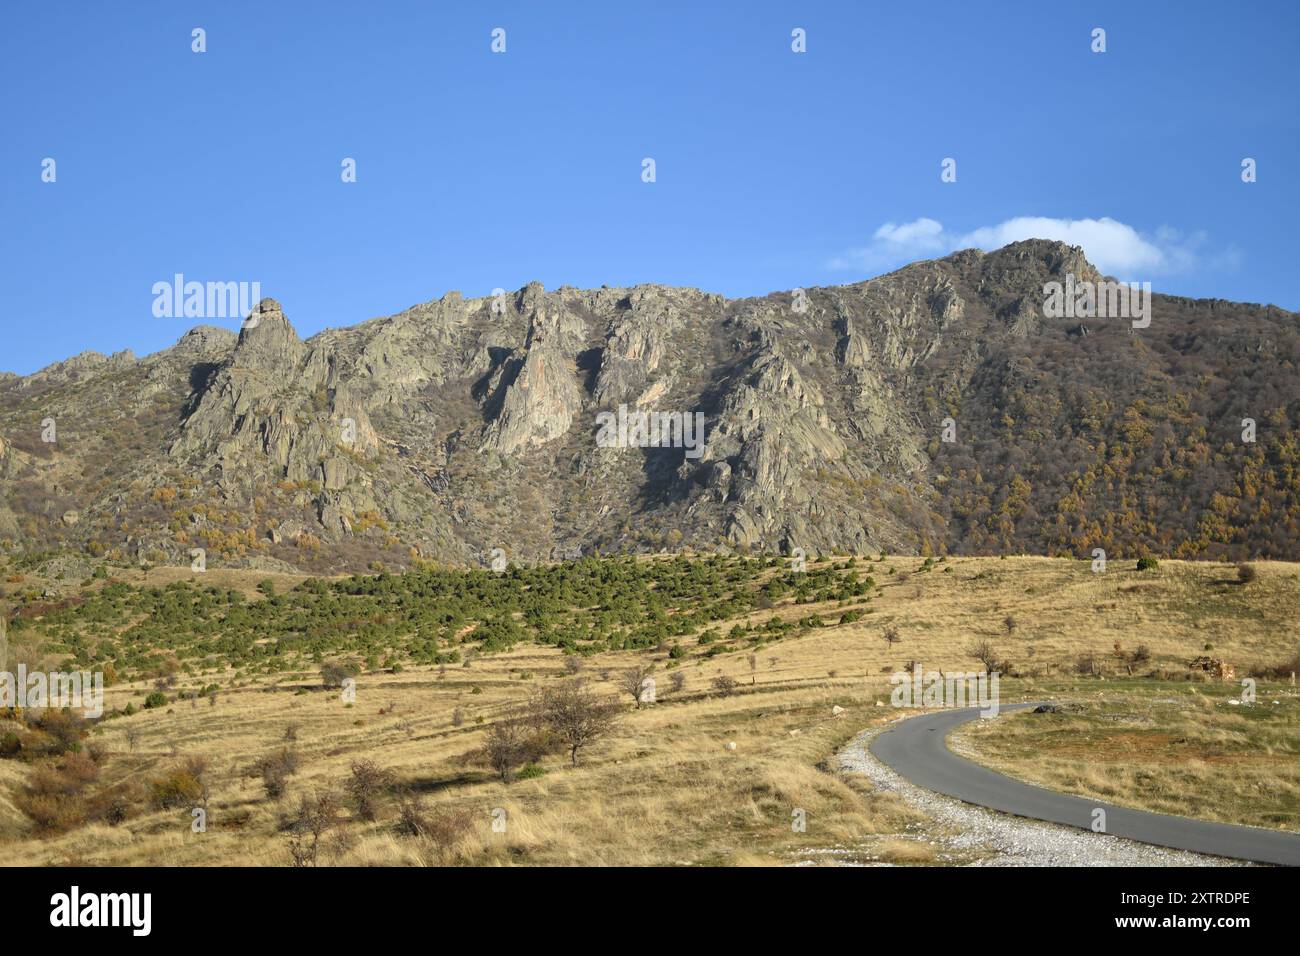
(478, 170)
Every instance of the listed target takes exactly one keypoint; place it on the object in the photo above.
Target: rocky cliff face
(460, 426)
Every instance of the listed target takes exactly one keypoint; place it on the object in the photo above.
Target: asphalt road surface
(916, 749)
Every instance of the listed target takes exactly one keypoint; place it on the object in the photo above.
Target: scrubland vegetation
(466, 717)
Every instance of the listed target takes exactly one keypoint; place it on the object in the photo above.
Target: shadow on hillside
(427, 785)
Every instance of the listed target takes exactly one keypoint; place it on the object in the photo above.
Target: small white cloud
(922, 234)
(1113, 247)
(893, 244)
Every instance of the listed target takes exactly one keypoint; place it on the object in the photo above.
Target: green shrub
(333, 675)
(155, 699)
(1147, 563)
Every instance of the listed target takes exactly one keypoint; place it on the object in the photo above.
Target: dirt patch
(1128, 746)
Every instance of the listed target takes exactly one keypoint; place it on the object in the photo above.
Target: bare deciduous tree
(724, 685)
(365, 786)
(441, 826)
(985, 654)
(575, 715)
(632, 681)
(275, 769)
(507, 747)
(315, 816)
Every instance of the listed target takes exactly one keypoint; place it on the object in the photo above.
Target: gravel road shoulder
(963, 834)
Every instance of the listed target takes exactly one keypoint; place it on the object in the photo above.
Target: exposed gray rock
(460, 425)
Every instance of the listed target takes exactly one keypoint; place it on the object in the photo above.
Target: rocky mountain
(933, 409)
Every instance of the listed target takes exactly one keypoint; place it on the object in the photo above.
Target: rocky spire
(267, 339)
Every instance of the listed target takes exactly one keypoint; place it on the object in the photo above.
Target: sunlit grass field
(1187, 750)
(666, 787)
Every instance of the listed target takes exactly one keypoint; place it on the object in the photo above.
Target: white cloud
(1113, 247)
(921, 234)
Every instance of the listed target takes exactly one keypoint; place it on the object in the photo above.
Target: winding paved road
(916, 748)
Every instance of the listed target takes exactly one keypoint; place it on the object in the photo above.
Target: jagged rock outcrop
(81, 366)
(537, 394)
(277, 401)
(933, 408)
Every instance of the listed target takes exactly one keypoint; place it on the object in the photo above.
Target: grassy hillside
(437, 666)
(1189, 750)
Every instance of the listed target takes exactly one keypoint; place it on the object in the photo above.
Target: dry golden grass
(1185, 751)
(906, 852)
(664, 790)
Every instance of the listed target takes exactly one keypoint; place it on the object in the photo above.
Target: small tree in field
(891, 635)
(724, 685)
(442, 827)
(575, 715)
(275, 769)
(365, 786)
(314, 818)
(508, 746)
(632, 681)
(986, 655)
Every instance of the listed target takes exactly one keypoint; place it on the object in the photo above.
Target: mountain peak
(266, 313)
(650, 417)
(268, 335)
(1056, 256)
